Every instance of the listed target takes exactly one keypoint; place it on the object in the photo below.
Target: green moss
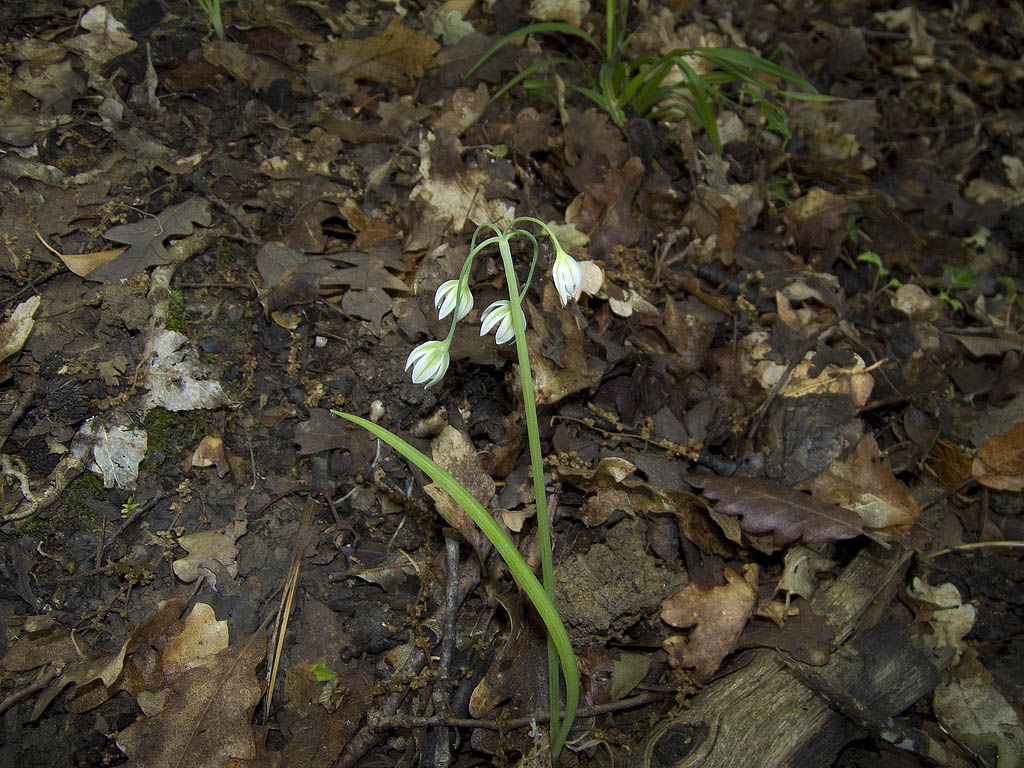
(227, 252)
(170, 433)
(73, 509)
(177, 316)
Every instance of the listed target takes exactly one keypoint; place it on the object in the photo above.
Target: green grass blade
(548, 27)
(508, 552)
(701, 102)
(750, 63)
(529, 72)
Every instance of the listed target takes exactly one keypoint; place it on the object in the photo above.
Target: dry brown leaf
(200, 639)
(865, 484)
(717, 615)
(43, 641)
(317, 740)
(397, 55)
(800, 569)
(210, 453)
(216, 545)
(804, 635)
(146, 239)
(1000, 460)
(205, 719)
(768, 507)
(82, 264)
(16, 329)
(454, 453)
(949, 463)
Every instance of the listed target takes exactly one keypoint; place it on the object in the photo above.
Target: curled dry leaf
(1000, 460)
(453, 451)
(950, 619)
(865, 484)
(799, 571)
(210, 453)
(15, 331)
(717, 615)
(767, 507)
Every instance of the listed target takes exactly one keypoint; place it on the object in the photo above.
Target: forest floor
(783, 421)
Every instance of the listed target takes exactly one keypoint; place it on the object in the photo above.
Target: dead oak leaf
(1000, 460)
(146, 239)
(397, 55)
(864, 483)
(219, 545)
(767, 507)
(200, 639)
(205, 718)
(717, 615)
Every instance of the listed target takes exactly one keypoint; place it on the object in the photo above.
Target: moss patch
(177, 316)
(170, 434)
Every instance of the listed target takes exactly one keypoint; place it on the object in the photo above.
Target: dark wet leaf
(146, 239)
(805, 636)
(323, 432)
(767, 507)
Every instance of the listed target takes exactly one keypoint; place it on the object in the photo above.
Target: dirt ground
(783, 421)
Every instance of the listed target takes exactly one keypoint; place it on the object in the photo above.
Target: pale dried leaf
(717, 615)
(219, 544)
(205, 718)
(1000, 460)
(865, 484)
(800, 569)
(15, 330)
(200, 639)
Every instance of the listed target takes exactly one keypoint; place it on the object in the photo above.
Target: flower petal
(567, 276)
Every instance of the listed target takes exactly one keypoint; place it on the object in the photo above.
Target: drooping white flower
(567, 275)
(429, 361)
(498, 314)
(449, 297)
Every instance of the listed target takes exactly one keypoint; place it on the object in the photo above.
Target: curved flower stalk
(498, 315)
(429, 362)
(453, 294)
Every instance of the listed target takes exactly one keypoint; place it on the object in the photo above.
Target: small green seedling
(322, 673)
(429, 362)
(870, 257)
(956, 279)
(643, 84)
(212, 9)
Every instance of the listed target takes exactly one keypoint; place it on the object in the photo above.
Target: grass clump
(655, 85)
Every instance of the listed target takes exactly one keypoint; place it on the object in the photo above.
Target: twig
(975, 545)
(135, 515)
(640, 700)
(369, 735)
(46, 674)
(7, 425)
(441, 701)
(287, 596)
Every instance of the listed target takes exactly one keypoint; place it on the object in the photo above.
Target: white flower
(445, 300)
(566, 274)
(498, 314)
(429, 361)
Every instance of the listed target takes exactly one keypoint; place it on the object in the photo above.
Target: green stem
(559, 732)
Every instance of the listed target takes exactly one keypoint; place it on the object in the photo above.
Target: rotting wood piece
(766, 715)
